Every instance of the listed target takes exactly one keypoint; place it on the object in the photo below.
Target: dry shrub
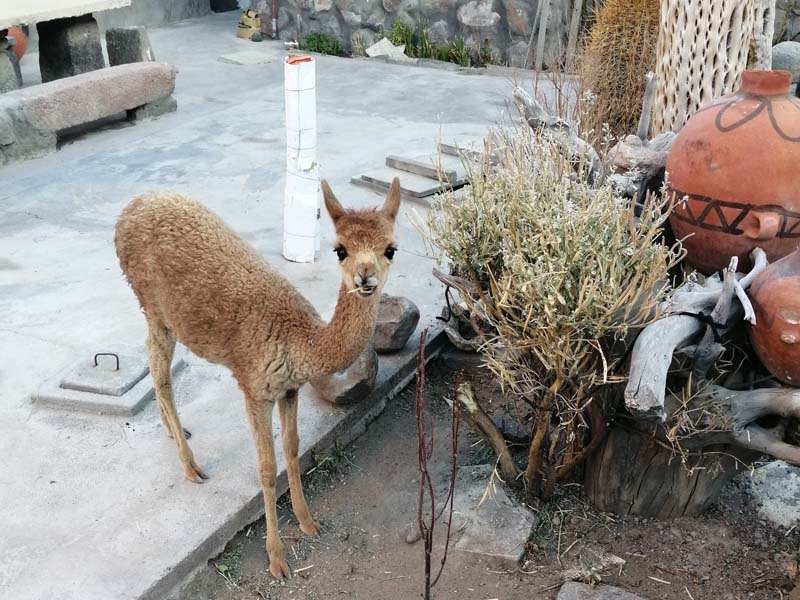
(558, 269)
(619, 51)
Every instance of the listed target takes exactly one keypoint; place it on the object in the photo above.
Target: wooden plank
(413, 186)
(454, 150)
(425, 166)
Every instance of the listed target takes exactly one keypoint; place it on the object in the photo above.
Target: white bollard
(301, 208)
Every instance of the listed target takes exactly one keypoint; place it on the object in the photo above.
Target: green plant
(554, 271)
(620, 50)
(458, 52)
(424, 47)
(400, 33)
(322, 43)
(358, 45)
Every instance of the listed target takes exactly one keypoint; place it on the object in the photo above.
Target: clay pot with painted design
(734, 171)
(775, 295)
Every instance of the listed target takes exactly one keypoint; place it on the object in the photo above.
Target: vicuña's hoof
(310, 527)
(278, 567)
(194, 473)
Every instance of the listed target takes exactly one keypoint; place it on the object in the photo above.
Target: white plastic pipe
(301, 207)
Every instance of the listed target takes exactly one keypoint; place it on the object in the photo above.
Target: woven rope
(701, 53)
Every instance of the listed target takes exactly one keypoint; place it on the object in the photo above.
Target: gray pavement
(95, 506)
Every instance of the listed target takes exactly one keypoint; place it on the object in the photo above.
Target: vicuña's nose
(365, 277)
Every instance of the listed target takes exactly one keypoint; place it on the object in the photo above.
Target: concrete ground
(94, 506)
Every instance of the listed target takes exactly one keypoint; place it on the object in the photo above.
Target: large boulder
(786, 57)
(352, 384)
(478, 14)
(397, 320)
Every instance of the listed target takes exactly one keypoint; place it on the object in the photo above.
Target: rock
(776, 488)
(323, 5)
(511, 429)
(518, 18)
(518, 55)
(384, 47)
(397, 320)
(354, 383)
(587, 561)
(580, 591)
(786, 57)
(10, 75)
(391, 5)
(412, 534)
(497, 528)
(364, 37)
(351, 18)
(439, 32)
(633, 154)
(478, 14)
(128, 44)
(69, 47)
(461, 360)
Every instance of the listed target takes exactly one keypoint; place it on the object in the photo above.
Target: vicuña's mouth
(365, 291)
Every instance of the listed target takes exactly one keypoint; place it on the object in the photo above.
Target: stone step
(414, 186)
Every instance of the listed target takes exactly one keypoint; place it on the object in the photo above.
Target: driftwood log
(656, 461)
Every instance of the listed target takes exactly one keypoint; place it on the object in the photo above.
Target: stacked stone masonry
(505, 25)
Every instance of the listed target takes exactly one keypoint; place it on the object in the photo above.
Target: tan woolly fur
(200, 284)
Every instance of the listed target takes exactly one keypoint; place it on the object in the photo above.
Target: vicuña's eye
(340, 252)
(390, 252)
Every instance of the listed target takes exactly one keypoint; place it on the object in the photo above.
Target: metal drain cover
(98, 384)
(108, 373)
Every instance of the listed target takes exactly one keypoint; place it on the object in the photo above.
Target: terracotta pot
(21, 41)
(735, 163)
(775, 295)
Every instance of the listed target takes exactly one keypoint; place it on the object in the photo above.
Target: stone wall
(504, 24)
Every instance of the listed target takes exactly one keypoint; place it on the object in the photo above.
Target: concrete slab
(38, 11)
(491, 524)
(94, 508)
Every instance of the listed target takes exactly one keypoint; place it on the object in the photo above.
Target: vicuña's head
(365, 242)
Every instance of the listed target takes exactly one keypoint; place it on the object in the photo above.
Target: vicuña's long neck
(336, 345)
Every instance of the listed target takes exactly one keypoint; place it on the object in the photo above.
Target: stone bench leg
(69, 47)
(153, 109)
(10, 75)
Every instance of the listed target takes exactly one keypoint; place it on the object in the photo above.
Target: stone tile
(776, 488)
(580, 591)
(495, 528)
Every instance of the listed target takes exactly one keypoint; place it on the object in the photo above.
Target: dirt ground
(365, 496)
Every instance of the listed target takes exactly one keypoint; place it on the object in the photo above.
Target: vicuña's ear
(332, 205)
(392, 204)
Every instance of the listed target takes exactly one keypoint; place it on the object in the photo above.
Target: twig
(485, 426)
(658, 580)
(425, 452)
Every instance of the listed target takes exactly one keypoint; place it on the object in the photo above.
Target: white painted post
(301, 233)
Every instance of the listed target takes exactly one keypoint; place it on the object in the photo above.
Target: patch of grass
(400, 33)
(322, 43)
(459, 52)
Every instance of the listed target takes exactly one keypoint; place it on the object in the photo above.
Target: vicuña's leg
(287, 407)
(259, 413)
(160, 346)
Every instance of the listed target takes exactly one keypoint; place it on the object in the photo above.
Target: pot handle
(763, 226)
